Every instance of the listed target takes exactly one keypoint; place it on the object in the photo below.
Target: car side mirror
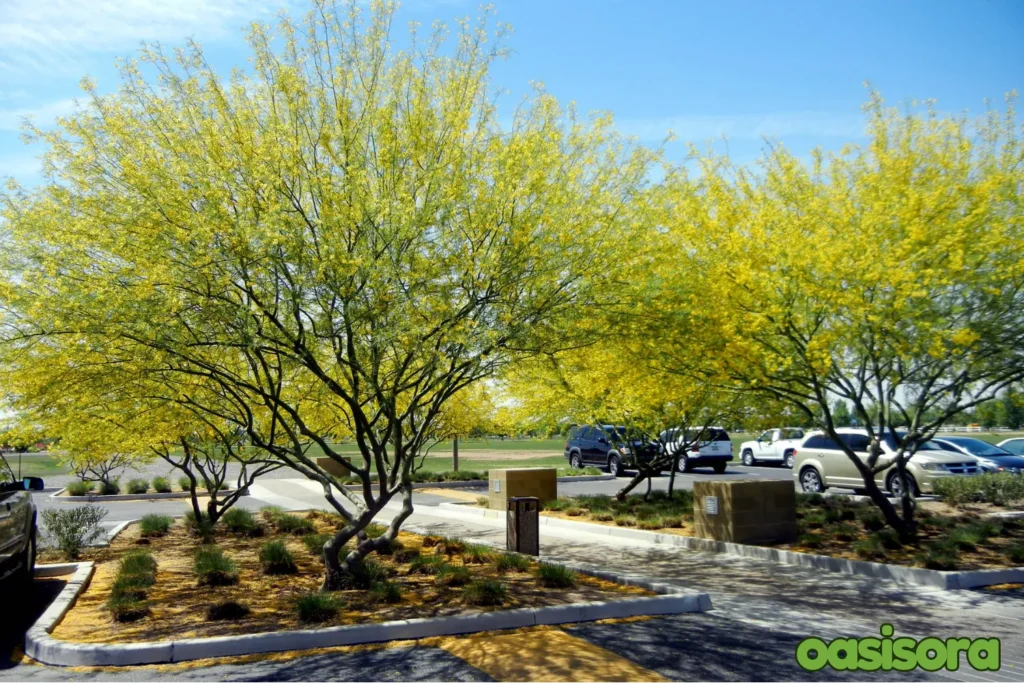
(33, 483)
(601, 439)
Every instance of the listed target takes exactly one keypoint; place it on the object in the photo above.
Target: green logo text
(900, 654)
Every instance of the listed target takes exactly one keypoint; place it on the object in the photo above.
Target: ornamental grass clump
(161, 485)
(509, 562)
(275, 558)
(315, 543)
(213, 568)
(155, 525)
(485, 593)
(242, 522)
(555, 576)
(316, 608)
(138, 486)
(292, 524)
(136, 573)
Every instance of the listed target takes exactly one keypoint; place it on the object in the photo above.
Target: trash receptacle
(523, 530)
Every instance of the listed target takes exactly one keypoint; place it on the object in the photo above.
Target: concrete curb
(482, 483)
(125, 496)
(43, 571)
(42, 647)
(888, 572)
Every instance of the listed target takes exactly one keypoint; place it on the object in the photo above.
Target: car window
(574, 433)
(978, 447)
(821, 442)
(1016, 446)
(718, 435)
(792, 433)
(766, 436)
(858, 443)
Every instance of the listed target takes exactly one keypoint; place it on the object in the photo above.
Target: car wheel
(748, 458)
(810, 481)
(895, 486)
(682, 464)
(575, 462)
(614, 466)
(788, 461)
(719, 467)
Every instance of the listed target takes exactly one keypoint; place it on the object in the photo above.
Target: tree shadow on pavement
(20, 609)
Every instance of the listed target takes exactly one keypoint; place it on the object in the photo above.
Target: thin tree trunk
(455, 454)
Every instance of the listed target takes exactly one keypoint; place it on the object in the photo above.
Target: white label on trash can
(711, 505)
(497, 485)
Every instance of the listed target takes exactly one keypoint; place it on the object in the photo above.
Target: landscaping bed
(229, 587)
(134, 487)
(426, 476)
(832, 526)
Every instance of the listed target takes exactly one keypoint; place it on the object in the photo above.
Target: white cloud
(44, 115)
(54, 36)
(746, 126)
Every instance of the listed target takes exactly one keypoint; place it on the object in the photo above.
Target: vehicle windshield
(978, 447)
(894, 443)
(615, 432)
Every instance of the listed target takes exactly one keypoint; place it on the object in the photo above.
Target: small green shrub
(889, 539)
(941, 556)
(477, 554)
(809, 541)
(555, 576)
(213, 568)
(110, 488)
(558, 505)
(270, 513)
(450, 546)
(624, 520)
(483, 501)
(138, 486)
(406, 555)
(161, 485)
(485, 592)
(386, 591)
(869, 549)
(873, 522)
(79, 488)
(155, 525)
(228, 610)
(844, 532)
(199, 526)
(275, 558)
(126, 608)
(73, 529)
(291, 524)
(184, 483)
(317, 607)
(451, 575)
(242, 522)
(315, 543)
(652, 524)
(509, 562)
(575, 512)
(363, 574)
(430, 541)
(603, 516)
(426, 564)
(1016, 553)
(138, 563)
(810, 500)
(131, 586)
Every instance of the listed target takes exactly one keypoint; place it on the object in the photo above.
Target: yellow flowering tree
(341, 239)
(890, 276)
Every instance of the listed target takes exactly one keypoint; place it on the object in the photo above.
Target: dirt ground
(178, 605)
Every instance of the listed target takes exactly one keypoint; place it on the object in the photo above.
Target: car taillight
(695, 449)
(794, 452)
(566, 445)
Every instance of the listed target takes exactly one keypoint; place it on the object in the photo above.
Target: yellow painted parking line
(546, 655)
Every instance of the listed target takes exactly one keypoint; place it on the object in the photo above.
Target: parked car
(712, 448)
(18, 530)
(1015, 446)
(821, 463)
(992, 458)
(606, 446)
(776, 446)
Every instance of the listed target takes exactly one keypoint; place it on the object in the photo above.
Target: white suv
(820, 463)
(776, 446)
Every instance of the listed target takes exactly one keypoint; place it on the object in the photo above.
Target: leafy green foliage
(315, 543)
(242, 522)
(161, 485)
(386, 591)
(510, 562)
(137, 486)
(79, 488)
(485, 592)
(73, 528)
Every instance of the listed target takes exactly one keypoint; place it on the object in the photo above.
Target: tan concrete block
(333, 467)
(537, 482)
(748, 511)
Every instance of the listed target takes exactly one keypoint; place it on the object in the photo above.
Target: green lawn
(468, 464)
(35, 465)
(469, 445)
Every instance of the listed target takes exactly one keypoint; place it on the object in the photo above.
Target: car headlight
(933, 466)
(625, 450)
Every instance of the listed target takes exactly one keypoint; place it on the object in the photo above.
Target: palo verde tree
(341, 238)
(888, 276)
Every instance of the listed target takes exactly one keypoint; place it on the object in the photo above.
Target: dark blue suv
(608, 447)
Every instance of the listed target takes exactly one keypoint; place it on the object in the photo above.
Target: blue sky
(792, 71)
